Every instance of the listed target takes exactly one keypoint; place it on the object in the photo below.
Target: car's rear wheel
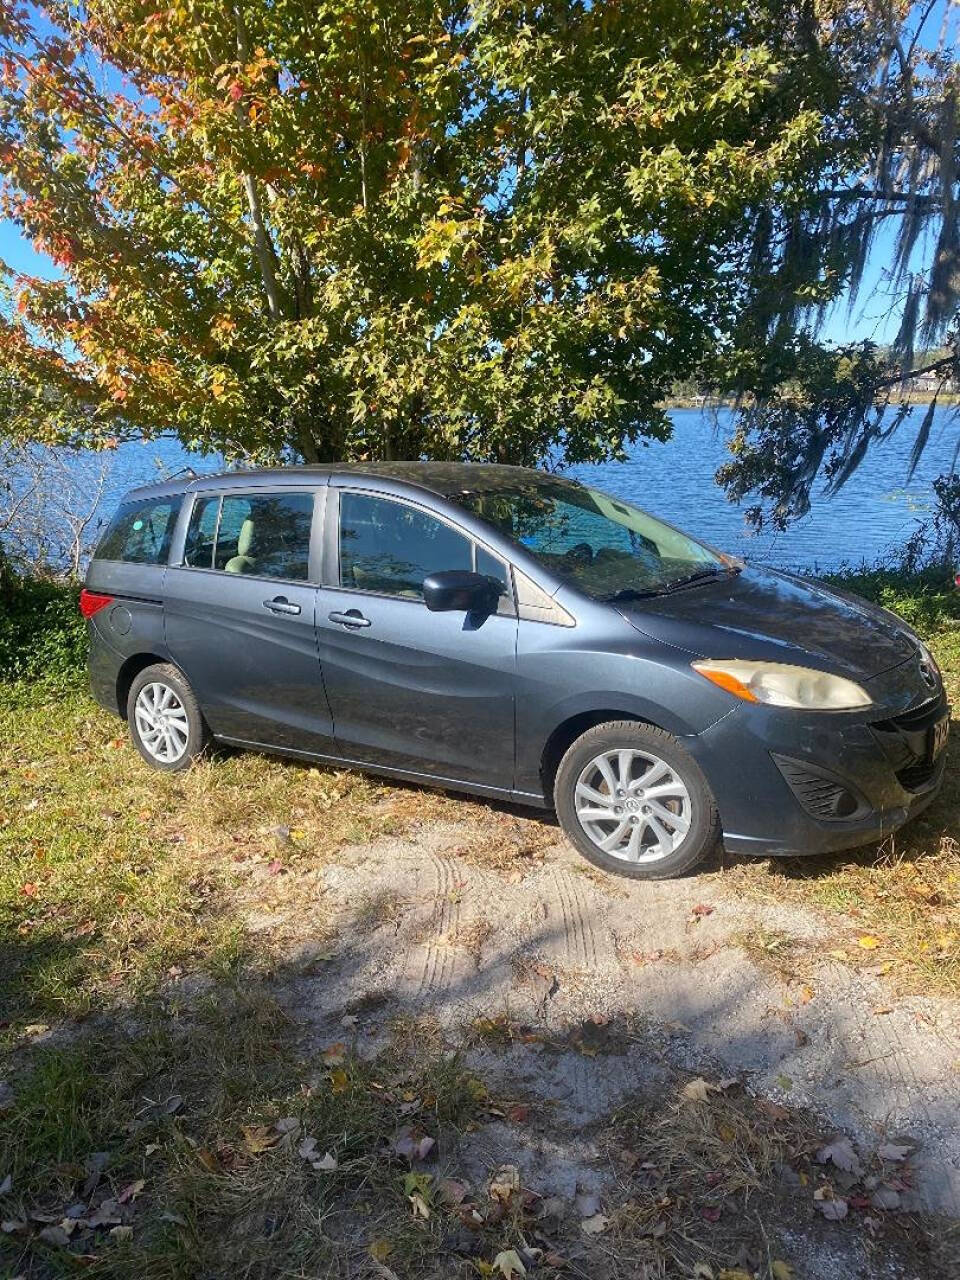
(165, 720)
(634, 802)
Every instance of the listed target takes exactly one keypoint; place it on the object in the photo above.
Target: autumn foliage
(363, 228)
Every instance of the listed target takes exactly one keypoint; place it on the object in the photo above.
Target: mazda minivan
(518, 635)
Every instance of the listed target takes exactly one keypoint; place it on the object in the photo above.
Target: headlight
(779, 684)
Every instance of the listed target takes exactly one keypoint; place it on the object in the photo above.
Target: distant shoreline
(947, 399)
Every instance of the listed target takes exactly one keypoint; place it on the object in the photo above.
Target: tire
(161, 691)
(678, 823)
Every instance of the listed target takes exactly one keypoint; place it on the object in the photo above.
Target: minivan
(517, 635)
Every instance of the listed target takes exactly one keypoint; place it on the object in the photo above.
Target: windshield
(606, 547)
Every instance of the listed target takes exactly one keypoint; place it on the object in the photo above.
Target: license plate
(939, 733)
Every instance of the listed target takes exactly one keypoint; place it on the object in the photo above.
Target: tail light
(92, 602)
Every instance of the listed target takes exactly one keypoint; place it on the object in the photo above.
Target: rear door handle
(352, 618)
(280, 604)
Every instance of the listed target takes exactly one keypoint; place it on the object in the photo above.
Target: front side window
(141, 532)
(602, 545)
(389, 547)
(265, 536)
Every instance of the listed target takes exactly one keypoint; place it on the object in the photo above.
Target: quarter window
(265, 536)
(389, 547)
(141, 532)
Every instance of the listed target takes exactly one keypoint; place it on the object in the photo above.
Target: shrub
(42, 634)
(926, 599)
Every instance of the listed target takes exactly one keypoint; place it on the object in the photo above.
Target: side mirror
(455, 590)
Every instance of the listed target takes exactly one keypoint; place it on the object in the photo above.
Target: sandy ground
(415, 926)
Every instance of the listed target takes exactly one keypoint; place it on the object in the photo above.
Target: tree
(811, 411)
(368, 229)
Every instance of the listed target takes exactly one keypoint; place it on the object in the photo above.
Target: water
(869, 519)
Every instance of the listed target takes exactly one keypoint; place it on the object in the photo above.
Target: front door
(428, 693)
(240, 619)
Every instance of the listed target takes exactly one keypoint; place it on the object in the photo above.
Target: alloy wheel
(162, 723)
(633, 805)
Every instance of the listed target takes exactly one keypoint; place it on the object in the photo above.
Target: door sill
(404, 775)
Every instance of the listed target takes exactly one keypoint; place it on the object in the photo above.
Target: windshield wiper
(676, 584)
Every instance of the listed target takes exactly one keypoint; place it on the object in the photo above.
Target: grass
(148, 928)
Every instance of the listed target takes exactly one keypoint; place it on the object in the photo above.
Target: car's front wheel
(165, 720)
(634, 802)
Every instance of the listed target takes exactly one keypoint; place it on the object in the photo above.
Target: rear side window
(265, 536)
(141, 532)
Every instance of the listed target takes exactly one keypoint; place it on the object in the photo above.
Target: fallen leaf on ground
(257, 1138)
(504, 1183)
(54, 1235)
(508, 1264)
(326, 1164)
(289, 1124)
(735, 1273)
(893, 1151)
(10, 1226)
(593, 1226)
(121, 1233)
(774, 1110)
(781, 1270)
(308, 1148)
(334, 1054)
(832, 1207)
(339, 1080)
(131, 1191)
(106, 1215)
(452, 1192)
(702, 1271)
(711, 1212)
(412, 1144)
(6, 1186)
(841, 1153)
(695, 1090)
(868, 941)
(380, 1250)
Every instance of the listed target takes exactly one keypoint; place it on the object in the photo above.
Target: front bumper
(795, 783)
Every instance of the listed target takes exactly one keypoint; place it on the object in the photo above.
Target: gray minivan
(518, 635)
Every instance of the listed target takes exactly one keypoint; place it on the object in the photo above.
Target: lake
(869, 519)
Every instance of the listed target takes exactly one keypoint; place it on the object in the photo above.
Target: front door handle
(352, 618)
(280, 604)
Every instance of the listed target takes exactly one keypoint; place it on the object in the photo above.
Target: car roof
(445, 478)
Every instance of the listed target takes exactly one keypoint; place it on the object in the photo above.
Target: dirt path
(416, 926)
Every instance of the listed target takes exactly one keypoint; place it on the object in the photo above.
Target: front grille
(822, 795)
(905, 740)
(917, 719)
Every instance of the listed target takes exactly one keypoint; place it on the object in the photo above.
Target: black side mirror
(455, 590)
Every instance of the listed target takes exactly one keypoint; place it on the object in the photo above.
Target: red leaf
(29, 890)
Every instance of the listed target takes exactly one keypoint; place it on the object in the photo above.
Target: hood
(765, 614)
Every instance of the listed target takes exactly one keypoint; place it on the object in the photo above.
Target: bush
(42, 634)
(926, 599)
